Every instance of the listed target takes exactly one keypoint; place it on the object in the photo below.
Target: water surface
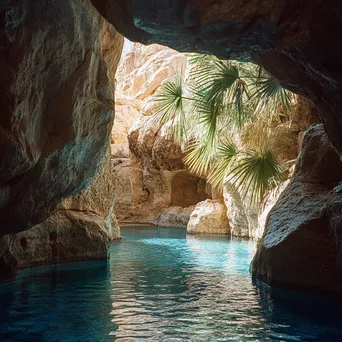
(162, 285)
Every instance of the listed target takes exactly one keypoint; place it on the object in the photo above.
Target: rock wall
(56, 115)
(154, 178)
(58, 62)
(301, 247)
(80, 230)
(140, 74)
(152, 182)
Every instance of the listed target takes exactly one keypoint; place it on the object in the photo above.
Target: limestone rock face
(150, 143)
(152, 183)
(241, 225)
(144, 194)
(140, 74)
(56, 114)
(301, 247)
(269, 202)
(295, 41)
(209, 217)
(67, 236)
(98, 198)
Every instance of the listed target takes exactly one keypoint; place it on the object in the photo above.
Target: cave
(187, 189)
(58, 63)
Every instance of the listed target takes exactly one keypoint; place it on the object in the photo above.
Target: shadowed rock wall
(56, 115)
(301, 247)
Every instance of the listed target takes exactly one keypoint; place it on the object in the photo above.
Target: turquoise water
(162, 285)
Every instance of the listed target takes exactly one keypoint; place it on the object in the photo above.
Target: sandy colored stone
(142, 194)
(209, 217)
(237, 213)
(174, 217)
(141, 73)
(153, 146)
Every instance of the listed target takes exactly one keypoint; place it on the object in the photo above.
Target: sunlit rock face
(301, 247)
(209, 217)
(155, 179)
(56, 114)
(141, 73)
(296, 41)
(152, 182)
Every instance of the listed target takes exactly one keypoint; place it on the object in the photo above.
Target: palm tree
(209, 112)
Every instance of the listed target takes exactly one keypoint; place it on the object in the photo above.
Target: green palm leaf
(256, 173)
(225, 158)
(170, 106)
(269, 94)
(221, 87)
(199, 158)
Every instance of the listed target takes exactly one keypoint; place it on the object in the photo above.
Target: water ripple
(161, 285)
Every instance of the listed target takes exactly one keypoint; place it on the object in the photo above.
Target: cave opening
(192, 169)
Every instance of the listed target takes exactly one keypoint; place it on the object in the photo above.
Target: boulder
(209, 217)
(67, 236)
(301, 247)
(174, 217)
(153, 146)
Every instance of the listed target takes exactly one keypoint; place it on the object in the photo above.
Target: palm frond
(199, 158)
(219, 85)
(256, 173)
(269, 94)
(226, 156)
(170, 106)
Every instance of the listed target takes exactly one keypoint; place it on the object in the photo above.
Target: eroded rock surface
(145, 194)
(55, 103)
(209, 217)
(301, 247)
(152, 182)
(80, 230)
(141, 72)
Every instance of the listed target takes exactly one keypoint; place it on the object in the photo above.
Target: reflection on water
(162, 285)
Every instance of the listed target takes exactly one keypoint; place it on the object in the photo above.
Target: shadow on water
(162, 285)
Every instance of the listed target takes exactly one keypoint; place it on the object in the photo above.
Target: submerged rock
(301, 247)
(209, 217)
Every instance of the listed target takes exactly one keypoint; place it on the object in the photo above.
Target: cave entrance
(187, 189)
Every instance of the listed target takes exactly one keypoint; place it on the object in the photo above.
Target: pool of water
(161, 285)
